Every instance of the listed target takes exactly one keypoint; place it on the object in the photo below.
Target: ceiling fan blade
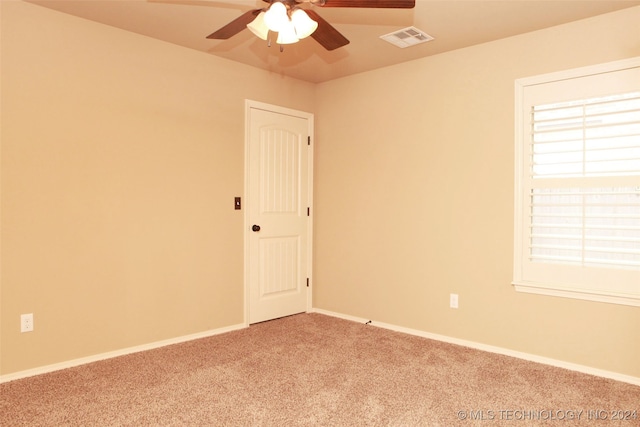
(388, 4)
(326, 34)
(235, 26)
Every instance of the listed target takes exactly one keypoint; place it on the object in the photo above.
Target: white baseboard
(116, 353)
(479, 346)
(492, 349)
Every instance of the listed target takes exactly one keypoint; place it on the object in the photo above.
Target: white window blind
(587, 138)
(593, 227)
(578, 184)
(588, 226)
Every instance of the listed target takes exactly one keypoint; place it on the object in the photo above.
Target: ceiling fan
(324, 33)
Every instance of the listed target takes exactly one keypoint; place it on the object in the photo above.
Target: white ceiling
(454, 24)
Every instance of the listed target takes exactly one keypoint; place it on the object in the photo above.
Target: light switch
(237, 203)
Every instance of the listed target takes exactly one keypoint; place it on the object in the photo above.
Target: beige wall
(414, 198)
(121, 156)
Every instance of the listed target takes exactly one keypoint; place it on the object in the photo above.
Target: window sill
(565, 293)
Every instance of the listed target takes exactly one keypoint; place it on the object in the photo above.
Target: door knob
(255, 227)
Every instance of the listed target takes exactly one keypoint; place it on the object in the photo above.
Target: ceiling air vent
(407, 37)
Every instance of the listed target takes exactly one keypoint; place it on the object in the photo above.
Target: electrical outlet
(453, 300)
(26, 322)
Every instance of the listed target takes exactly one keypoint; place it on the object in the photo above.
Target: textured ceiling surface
(454, 24)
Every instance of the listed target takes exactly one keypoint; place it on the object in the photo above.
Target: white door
(277, 219)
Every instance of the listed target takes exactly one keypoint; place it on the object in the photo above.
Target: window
(577, 192)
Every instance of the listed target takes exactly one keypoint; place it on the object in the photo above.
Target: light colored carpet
(315, 370)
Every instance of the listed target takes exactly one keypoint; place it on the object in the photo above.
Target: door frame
(250, 104)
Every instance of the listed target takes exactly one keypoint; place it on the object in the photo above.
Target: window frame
(521, 281)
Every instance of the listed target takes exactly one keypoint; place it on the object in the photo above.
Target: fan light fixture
(291, 23)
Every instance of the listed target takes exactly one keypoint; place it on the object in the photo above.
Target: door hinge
(307, 282)
(308, 140)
